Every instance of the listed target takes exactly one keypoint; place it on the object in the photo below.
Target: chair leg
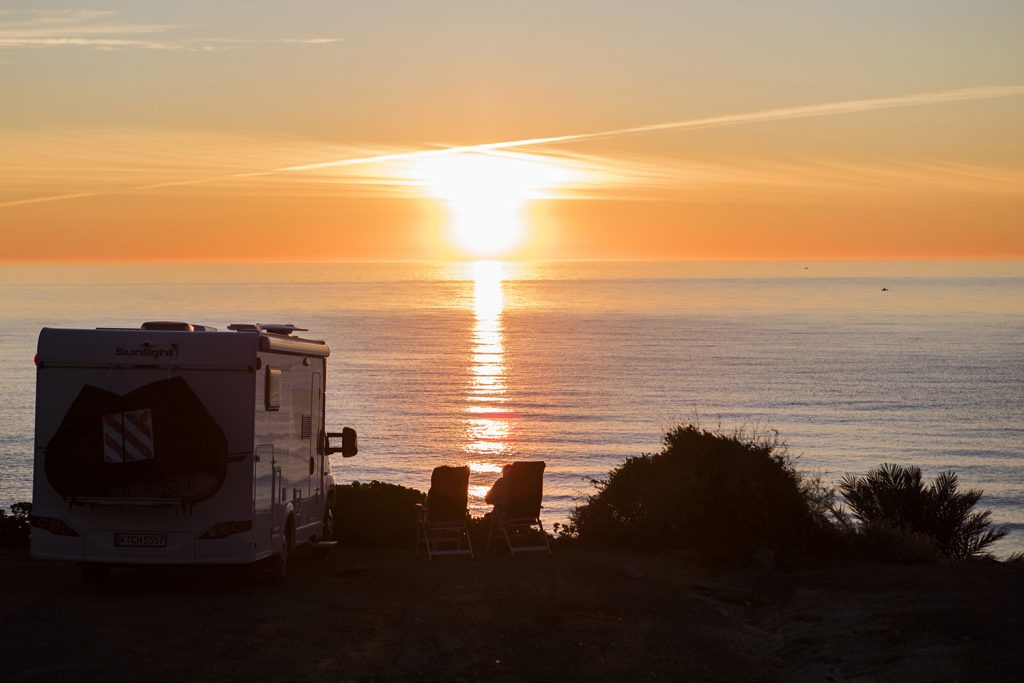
(498, 519)
(522, 531)
(508, 540)
(544, 535)
(426, 541)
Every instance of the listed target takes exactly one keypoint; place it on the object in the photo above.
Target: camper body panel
(292, 473)
(226, 371)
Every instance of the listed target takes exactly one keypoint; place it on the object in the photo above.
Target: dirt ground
(577, 615)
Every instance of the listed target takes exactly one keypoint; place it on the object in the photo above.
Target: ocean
(585, 364)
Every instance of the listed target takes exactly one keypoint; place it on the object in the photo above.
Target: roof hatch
(273, 328)
(176, 326)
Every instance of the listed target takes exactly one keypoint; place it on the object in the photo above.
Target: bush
(892, 545)
(720, 497)
(376, 515)
(895, 498)
(379, 515)
(15, 527)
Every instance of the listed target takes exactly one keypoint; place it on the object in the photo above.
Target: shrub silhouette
(720, 497)
(376, 515)
(15, 527)
(891, 545)
(895, 497)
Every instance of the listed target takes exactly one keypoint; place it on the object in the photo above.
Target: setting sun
(486, 194)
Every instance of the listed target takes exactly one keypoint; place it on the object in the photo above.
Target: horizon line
(384, 261)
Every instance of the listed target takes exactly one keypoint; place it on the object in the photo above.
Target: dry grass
(579, 615)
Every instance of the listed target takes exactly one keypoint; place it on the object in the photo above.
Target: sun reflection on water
(478, 490)
(488, 424)
(479, 467)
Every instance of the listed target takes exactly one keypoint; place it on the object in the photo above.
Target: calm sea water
(585, 364)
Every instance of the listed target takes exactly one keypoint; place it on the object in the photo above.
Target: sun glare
(487, 194)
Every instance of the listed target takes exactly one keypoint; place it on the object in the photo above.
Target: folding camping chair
(518, 520)
(442, 524)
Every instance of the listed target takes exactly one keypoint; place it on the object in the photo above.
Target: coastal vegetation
(892, 501)
(383, 516)
(721, 498)
(15, 526)
(376, 515)
(730, 499)
(736, 498)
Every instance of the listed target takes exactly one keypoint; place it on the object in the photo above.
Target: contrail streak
(54, 198)
(779, 114)
(786, 113)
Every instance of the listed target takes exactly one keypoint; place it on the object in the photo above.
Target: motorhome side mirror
(349, 442)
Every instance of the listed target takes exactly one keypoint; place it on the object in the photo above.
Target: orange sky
(692, 130)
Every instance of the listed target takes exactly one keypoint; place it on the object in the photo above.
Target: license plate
(140, 540)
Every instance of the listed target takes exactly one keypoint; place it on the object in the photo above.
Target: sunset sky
(309, 131)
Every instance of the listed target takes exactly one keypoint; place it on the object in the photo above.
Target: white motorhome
(180, 444)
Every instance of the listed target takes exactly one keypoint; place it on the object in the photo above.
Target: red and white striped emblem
(128, 437)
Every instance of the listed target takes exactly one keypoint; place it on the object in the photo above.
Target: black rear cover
(525, 489)
(447, 497)
(189, 447)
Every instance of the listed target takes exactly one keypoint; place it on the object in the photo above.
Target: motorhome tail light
(35, 360)
(225, 529)
(53, 525)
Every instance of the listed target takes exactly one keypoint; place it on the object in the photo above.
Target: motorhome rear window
(273, 391)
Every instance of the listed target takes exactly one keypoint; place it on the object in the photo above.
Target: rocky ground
(577, 615)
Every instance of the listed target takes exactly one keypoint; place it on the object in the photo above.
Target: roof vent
(277, 328)
(168, 326)
(273, 328)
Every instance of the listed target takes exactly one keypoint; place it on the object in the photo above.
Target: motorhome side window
(273, 391)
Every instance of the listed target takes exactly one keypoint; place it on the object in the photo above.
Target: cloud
(308, 41)
(78, 28)
(779, 114)
(99, 43)
(97, 29)
(39, 200)
(882, 180)
(387, 171)
(589, 176)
